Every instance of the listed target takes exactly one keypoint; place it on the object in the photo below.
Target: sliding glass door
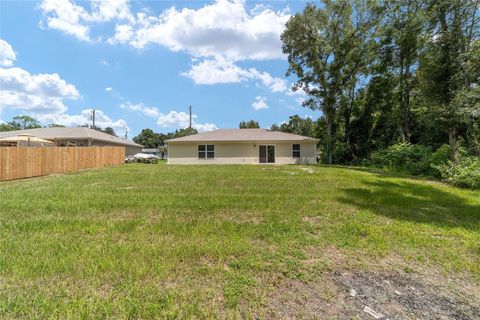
(266, 153)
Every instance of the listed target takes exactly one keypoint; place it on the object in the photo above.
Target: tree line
(385, 72)
(150, 139)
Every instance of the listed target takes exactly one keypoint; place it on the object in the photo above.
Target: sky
(142, 64)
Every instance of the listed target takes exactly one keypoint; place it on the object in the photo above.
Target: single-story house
(242, 146)
(77, 137)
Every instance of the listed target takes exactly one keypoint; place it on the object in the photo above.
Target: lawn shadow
(413, 201)
(380, 172)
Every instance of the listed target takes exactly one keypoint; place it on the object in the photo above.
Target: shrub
(418, 159)
(440, 157)
(464, 173)
(415, 159)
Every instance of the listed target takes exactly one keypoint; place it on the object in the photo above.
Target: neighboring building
(153, 151)
(242, 146)
(159, 152)
(77, 137)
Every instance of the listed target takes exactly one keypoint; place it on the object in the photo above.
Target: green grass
(143, 241)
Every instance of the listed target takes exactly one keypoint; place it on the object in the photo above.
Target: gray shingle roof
(71, 133)
(242, 135)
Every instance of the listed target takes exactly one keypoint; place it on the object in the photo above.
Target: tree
(275, 127)
(327, 48)
(110, 131)
(299, 125)
(149, 139)
(251, 124)
(404, 27)
(24, 122)
(182, 133)
(6, 127)
(449, 68)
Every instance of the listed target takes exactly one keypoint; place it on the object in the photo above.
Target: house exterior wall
(240, 152)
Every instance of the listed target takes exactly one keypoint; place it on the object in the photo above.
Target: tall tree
(405, 26)
(149, 139)
(251, 124)
(6, 127)
(298, 125)
(24, 122)
(110, 131)
(327, 48)
(447, 76)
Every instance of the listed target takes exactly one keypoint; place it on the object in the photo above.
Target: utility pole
(93, 118)
(126, 133)
(190, 110)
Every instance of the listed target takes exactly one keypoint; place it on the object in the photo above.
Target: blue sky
(142, 64)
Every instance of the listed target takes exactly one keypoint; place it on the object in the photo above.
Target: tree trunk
(347, 116)
(329, 119)
(452, 139)
(406, 103)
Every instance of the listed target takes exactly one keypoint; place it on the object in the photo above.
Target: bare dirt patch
(372, 295)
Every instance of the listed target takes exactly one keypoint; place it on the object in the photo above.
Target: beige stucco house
(242, 146)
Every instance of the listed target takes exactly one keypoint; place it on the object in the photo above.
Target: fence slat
(24, 162)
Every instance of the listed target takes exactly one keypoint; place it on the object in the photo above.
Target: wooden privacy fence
(24, 162)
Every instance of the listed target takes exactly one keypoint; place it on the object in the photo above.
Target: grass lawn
(144, 241)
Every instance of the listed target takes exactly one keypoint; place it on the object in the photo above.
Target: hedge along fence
(24, 162)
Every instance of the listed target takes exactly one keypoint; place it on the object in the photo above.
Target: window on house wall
(296, 150)
(206, 151)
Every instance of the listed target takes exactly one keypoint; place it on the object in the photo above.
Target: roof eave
(256, 140)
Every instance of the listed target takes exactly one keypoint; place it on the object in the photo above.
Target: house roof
(236, 135)
(79, 133)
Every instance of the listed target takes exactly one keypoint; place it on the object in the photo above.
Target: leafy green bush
(440, 157)
(464, 173)
(415, 159)
(418, 159)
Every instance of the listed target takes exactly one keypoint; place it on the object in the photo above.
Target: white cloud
(42, 97)
(214, 71)
(175, 119)
(222, 29)
(108, 10)
(204, 127)
(148, 111)
(84, 118)
(41, 93)
(7, 55)
(108, 89)
(151, 112)
(222, 33)
(275, 84)
(67, 17)
(218, 70)
(72, 19)
(260, 103)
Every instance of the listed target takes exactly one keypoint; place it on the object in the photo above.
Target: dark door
(263, 154)
(270, 154)
(266, 154)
